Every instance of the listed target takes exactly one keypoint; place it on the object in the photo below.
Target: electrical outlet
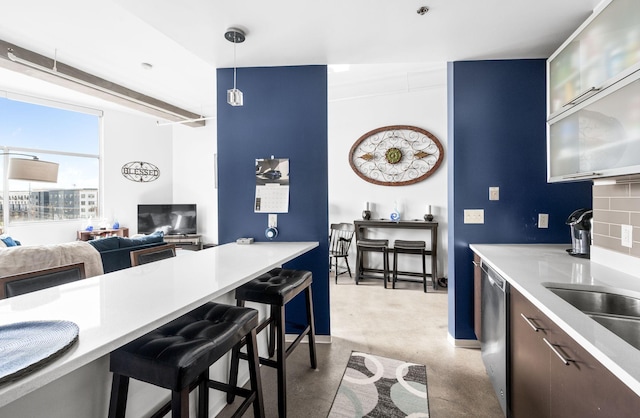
(273, 220)
(543, 220)
(627, 236)
(494, 193)
(474, 216)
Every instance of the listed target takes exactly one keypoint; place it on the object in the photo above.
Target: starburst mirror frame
(396, 155)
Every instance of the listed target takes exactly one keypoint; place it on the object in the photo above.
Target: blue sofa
(115, 251)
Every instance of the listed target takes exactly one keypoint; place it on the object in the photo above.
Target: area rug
(374, 386)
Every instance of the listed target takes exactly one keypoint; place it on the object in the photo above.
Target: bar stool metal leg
(312, 332)
(119, 391)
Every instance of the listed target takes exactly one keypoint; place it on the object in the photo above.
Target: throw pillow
(8, 241)
(105, 244)
(157, 236)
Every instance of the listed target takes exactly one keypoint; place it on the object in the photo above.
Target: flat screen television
(169, 218)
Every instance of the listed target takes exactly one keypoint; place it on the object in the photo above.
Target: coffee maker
(580, 223)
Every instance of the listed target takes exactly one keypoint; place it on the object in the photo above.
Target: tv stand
(185, 241)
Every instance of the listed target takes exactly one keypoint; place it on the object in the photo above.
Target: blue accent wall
(497, 137)
(284, 115)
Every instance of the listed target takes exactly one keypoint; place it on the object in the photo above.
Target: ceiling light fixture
(237, 36)
(89, 84)
(423, 10)
(31, 169)
(185, 121)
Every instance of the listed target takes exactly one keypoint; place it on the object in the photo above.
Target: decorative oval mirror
(396, 155)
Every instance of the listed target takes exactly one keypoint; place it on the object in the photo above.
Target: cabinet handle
(557, 353)
(531, 324)
(582, 97)
(581, 175)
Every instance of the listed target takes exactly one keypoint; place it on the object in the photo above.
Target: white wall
(129, 137)
(371, 96)
(194, 151)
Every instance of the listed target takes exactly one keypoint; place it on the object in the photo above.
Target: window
(69, 136)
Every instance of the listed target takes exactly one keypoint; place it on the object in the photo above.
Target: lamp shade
(33, 170)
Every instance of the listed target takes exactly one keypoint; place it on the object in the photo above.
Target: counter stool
(409, 247)
(177, 356)
(373, 245)
(276, 288)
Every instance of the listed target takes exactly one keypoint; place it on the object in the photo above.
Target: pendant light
(234, 96)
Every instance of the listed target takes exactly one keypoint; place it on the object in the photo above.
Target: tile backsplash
(615, 205)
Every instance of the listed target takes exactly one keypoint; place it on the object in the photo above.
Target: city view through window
(69, 138)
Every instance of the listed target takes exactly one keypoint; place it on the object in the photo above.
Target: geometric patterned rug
(379, 387)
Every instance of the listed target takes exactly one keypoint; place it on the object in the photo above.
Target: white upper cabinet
(603, 50)
(594, 97)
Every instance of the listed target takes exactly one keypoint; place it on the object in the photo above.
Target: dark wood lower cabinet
(529, 360)
(553, 376)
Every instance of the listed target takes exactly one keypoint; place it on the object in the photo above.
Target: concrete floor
(404, 324)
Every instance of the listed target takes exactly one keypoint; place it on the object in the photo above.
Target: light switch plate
(494, 193)
(474, 216)
(543, 220)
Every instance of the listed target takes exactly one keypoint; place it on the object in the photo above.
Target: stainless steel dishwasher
(493, 337)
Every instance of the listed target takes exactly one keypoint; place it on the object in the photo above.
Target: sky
(30, 125)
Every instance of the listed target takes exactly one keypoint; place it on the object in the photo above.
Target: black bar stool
(372, 245)
(276, 288)
(177, 356)
(409, 247)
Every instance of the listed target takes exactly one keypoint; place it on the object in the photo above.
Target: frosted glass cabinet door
(607, 48)
(601, 139)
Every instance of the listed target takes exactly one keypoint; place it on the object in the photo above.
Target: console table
(432, 227)
(186, 241)
(85, 235)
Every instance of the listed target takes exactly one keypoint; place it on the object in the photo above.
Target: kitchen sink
(617, 312)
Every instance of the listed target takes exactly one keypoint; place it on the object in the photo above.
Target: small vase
(366, 215)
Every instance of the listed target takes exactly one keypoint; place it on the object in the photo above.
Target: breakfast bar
(115, 308)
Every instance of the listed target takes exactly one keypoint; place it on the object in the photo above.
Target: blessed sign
(140, 171)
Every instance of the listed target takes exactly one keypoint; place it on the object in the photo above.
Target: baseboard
(460, 343)
(320, 339)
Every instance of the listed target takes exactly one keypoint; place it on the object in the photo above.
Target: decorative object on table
(375, 386)
(396, 155)
(366, 213)
(140, 171)
(27, 346)
(428, 216)
(395, 215)
(116, 224)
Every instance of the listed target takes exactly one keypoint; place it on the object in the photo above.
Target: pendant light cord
(234, 61)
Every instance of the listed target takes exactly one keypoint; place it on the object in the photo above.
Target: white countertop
(528, 267)
(118, 307)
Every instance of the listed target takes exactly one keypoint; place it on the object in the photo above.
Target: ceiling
(184, 40)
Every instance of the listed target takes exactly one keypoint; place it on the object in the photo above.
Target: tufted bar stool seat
(372, 245)
(276, 288)
(177, 356)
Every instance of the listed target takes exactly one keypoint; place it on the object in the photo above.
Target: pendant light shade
(33, 170)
